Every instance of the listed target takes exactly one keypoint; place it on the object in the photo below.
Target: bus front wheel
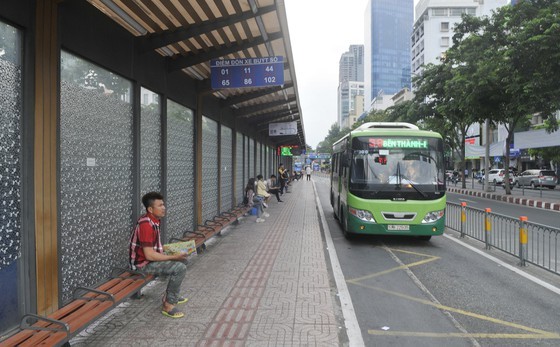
(425, 237)
(344, 224)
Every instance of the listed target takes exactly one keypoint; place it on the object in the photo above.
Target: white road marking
(350, 320)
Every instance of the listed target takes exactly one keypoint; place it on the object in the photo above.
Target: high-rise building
(433, 26)
(388, 26)
(350, 78)
(351, 66)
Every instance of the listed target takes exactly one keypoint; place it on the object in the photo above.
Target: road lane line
(464, 335)
(350, 320)
(462, 312)
(520, 272)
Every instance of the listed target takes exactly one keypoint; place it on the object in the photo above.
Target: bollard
(463, 218)
(487, 227)
(523, 238)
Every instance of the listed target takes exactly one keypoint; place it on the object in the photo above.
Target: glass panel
(150, 144)
(96, 160)
(10, 179)
(180, 169)
(227, 169)
(209, 168)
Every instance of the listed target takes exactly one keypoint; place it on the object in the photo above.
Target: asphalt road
(444, 292)
(537, 215)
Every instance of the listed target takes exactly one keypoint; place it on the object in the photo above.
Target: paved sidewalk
(259, 284)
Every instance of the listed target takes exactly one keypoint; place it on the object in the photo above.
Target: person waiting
(253, 201)
(274, 187)
(261, 191)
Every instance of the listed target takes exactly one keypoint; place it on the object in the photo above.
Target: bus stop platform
(258, 284)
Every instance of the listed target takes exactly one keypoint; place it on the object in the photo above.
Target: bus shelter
(104, 100)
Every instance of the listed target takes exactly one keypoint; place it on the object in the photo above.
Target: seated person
(146, 254)
(274, 187)
(254, 201)
(262, 191)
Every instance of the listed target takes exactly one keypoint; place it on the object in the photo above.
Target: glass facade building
(388, 27)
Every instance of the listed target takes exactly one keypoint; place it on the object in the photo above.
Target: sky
(320, 32)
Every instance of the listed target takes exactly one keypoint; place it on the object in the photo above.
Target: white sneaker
(260, 220)
(266, 215)
(265, 204)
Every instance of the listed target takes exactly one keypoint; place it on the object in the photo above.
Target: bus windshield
(386, 167)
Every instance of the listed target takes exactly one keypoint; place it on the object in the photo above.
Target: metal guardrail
(533, 243)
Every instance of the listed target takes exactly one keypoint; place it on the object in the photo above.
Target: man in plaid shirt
(146, 253)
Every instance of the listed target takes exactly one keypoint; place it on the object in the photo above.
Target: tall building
(350, 78)
(388, 26)
(351, 66)
(433, 26)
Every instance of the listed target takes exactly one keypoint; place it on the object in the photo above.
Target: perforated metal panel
(95, 172)
(246, 160)
(239, 172)
(210, 168)
(180, 169)
(226, 159)
(251, 156)
(150, 144)
(10, 147)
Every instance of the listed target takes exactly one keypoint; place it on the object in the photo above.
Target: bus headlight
(433, 216)
(364, 215)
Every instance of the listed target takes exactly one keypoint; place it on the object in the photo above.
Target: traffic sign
(247, 72)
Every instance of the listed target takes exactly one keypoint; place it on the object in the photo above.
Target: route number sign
(247, 72)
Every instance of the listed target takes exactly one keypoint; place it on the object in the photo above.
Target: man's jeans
(176, 271)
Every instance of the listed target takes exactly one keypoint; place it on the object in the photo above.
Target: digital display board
(289, 151)
(397, 143)
(247, 72)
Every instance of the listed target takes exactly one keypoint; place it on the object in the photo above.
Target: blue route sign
(247, 72)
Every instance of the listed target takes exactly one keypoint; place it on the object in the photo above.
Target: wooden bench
(88, 305)
(212, 227)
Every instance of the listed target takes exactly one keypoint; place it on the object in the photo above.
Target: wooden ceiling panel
(192, 32)
(272, 23)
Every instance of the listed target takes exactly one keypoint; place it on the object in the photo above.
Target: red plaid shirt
(146, 234)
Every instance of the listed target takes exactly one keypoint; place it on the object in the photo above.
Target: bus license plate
(399, 227)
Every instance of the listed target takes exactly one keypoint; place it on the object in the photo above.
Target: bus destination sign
(397, 143)
(247, 72)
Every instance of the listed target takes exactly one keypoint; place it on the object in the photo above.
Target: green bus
(389, 179)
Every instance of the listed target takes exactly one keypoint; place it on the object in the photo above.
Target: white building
(433, 26)
(350, 78)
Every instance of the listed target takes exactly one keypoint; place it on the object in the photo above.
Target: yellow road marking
(405, 266)
(536, 333)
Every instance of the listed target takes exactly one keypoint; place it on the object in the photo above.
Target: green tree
(548, 155)
(335, 133)
(443, 89)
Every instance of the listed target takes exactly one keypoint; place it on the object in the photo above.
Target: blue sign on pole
(247, 72)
